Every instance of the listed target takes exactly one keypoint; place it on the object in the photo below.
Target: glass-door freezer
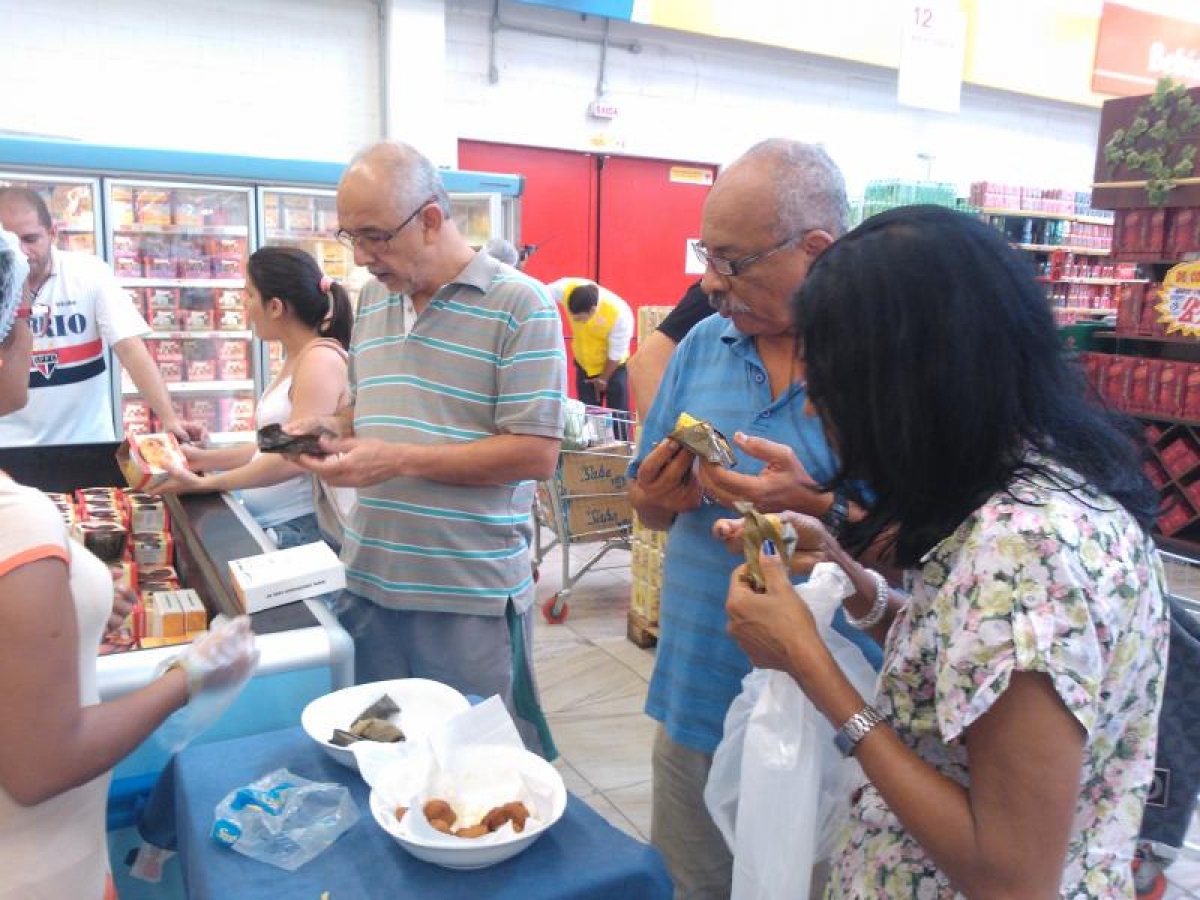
(307, 218)
(74, 205)
(180, 249)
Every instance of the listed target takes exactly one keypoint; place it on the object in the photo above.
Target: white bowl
(470, 853)
(424, 706)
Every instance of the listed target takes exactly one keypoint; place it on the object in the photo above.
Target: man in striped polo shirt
(458, 378)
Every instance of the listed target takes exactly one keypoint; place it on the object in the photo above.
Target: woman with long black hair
(1011, 742)
(291, 301)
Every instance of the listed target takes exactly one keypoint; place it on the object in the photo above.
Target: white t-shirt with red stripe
(56, 849)
(70, 389)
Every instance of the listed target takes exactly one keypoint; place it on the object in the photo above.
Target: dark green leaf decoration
(1150, 144)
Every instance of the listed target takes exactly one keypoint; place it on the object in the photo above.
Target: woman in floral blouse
(1011, 742)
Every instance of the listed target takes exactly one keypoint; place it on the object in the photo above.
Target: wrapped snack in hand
(273, 439)
(757, 528)
(703, 440)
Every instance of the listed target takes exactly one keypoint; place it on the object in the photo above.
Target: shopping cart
(586, 503)
(1171, 806)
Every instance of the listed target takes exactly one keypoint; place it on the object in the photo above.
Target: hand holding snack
(337, 426)
(811, 539)
(783, 483)
(666, 480)
(757, 529)
(702, 439)
(273, 438)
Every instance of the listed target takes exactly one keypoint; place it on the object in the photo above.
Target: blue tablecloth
(581, 858)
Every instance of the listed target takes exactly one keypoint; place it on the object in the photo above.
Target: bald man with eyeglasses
(458, 381)
(768, 217)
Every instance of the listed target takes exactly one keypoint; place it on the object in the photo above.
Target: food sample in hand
(756, 528)
(703, 440)
(371, 725)
(273, 439)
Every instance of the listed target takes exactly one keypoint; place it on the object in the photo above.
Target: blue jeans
(303, 530)
(294, 532)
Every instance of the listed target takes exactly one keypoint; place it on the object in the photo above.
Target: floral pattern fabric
(1038, 579)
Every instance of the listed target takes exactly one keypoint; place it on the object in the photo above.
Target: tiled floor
(593, 684)
(593, 687)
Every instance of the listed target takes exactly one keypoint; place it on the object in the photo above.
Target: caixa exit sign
(602, 109)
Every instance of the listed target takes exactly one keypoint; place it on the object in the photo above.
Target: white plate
(424, 706)
(468, 853)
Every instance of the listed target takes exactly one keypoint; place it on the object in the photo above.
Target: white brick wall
(286, 78)
(299, 78)
(696, 98)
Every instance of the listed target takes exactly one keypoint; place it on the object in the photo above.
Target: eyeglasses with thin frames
(374, 241)
(731, 268)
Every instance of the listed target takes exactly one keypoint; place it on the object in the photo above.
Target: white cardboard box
(283, 576)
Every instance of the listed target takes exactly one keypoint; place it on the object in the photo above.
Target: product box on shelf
(1116, 381)
(152, 206)
(1190, 395)
(164, 319)
(1157, 474)
(1183, 231)
(1143, 385)
(1178, 513)
(1180, 456)
(1193, 494)
(1169, 399)
(188, 208)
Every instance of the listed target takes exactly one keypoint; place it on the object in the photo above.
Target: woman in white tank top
(292, 302)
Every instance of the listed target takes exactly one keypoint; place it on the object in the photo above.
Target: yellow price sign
(1179, 300)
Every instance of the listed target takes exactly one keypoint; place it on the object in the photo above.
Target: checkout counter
(305, 653)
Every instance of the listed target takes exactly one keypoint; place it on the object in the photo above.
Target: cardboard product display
(594, 518)
(285, 576)
(597, 470)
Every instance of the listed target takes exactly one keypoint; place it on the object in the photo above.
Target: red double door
(624, 222)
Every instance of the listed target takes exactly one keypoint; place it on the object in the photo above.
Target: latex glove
(224, 658)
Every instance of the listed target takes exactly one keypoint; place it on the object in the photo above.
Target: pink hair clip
(326, 284)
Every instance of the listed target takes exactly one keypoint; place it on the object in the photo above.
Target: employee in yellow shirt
(602, 327)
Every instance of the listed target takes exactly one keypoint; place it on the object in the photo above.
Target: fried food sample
(442, 817)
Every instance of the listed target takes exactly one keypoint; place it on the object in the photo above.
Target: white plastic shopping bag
(779, 790)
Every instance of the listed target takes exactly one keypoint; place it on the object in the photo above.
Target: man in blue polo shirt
(769, 215)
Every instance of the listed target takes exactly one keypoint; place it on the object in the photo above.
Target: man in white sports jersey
(80, 311)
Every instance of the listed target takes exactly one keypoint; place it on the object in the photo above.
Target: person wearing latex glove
(1010, 745)
(58, 742)
(222, 659)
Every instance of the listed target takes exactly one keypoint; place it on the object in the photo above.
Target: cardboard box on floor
(284, 576)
